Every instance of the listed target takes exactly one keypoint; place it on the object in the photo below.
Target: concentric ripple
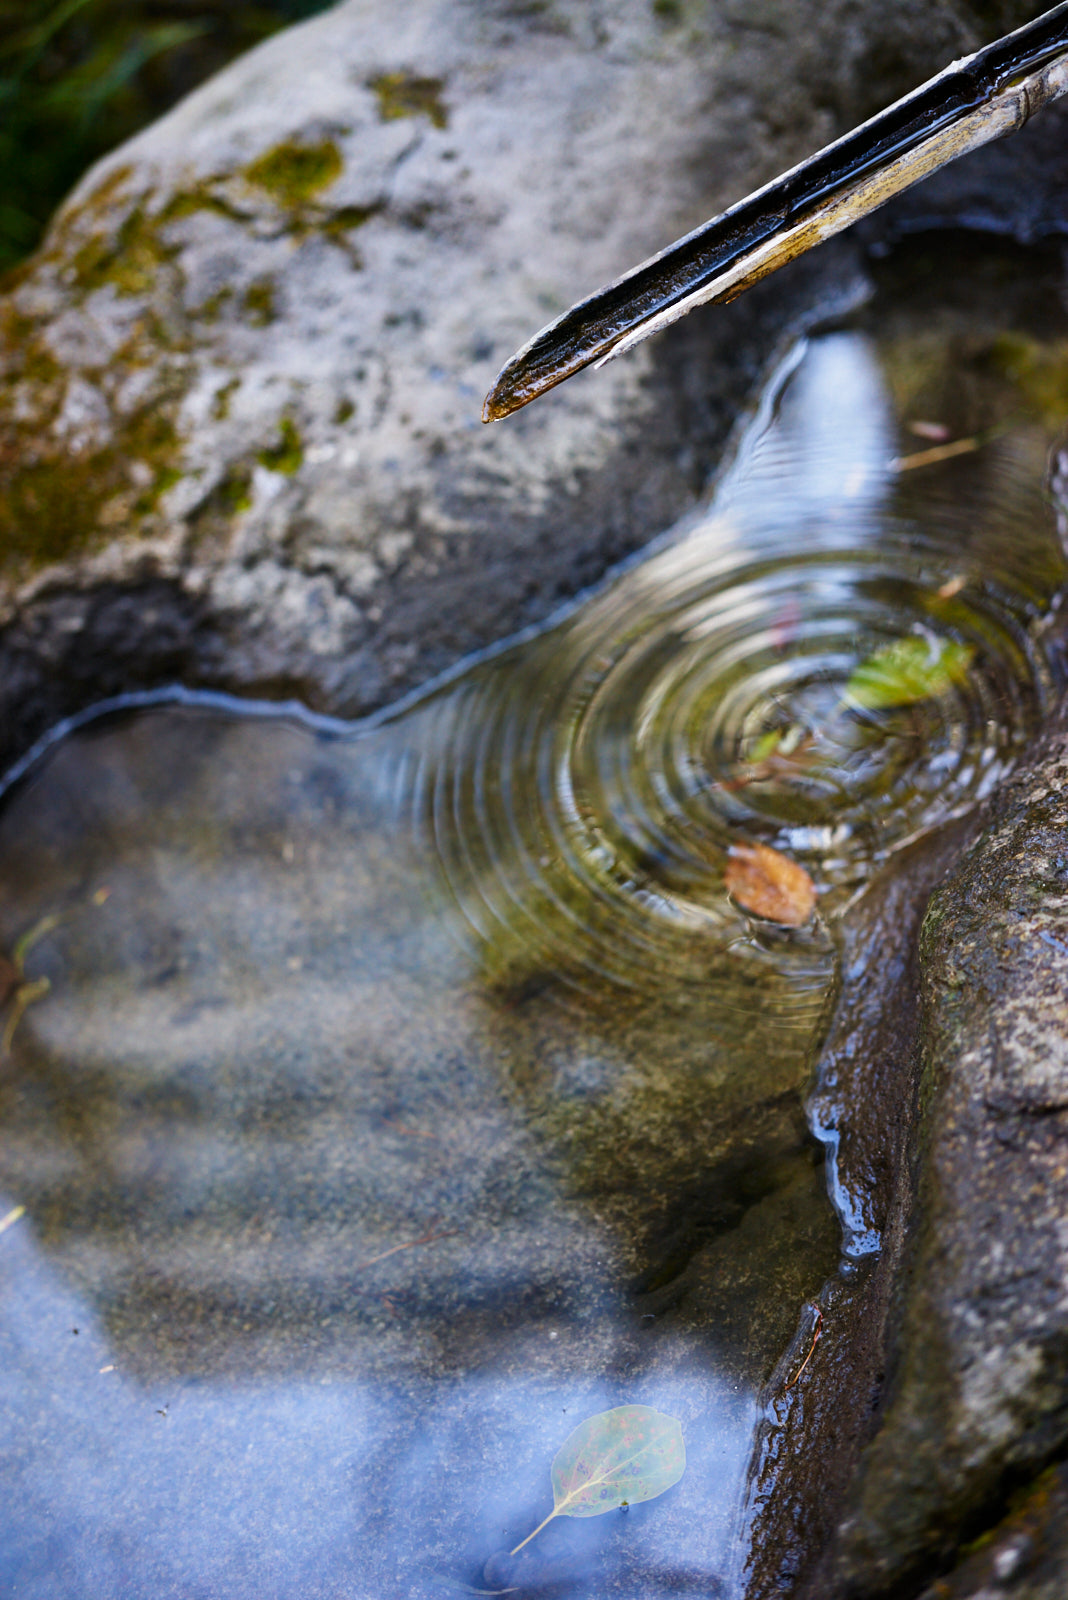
(584, 790)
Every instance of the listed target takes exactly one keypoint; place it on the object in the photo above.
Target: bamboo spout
(979, 98)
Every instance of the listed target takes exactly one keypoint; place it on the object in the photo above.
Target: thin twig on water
(817, 1330)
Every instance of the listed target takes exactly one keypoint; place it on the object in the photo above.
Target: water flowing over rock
(241, 381)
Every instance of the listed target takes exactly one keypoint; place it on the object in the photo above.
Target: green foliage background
(79, 76)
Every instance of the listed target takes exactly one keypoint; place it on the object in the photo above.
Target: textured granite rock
(240, 384)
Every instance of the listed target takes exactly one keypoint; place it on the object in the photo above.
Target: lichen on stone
(220, 406)
(130, 259)
(55, 502)
(209, 312)
(233, 494)
(337, 225)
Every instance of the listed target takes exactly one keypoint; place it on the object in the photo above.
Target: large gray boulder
(240, 383)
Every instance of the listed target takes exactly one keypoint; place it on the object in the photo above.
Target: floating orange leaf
(770, 885)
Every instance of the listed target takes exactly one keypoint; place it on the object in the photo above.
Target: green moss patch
(25, 357)
(188, 202)
(220, 406)
(347, 218)
(285, 456)
(292, 173)
(234, 493)
(107, 189)
(54, 504)
(129, 259)
(212, 307)
(402, 94)
(259, 304)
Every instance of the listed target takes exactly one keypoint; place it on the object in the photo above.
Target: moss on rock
(259, 303)
(287, 454)
(292, 172)
(55, 503)
(403, 94)
(130, 260)
(234, 493)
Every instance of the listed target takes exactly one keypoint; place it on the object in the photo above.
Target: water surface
(405, 1094)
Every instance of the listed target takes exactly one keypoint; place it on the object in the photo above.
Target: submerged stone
(327, 1208)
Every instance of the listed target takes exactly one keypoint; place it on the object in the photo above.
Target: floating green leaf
(906, 671)
(615, 1458)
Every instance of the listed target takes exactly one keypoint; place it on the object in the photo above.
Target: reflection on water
(584, 793)
(405, 1095)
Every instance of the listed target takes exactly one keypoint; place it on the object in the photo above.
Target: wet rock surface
(977, 1393)
(937, 1388)
(862, 1109)
(241, 382)
(1025, 1556)
(864, 1106)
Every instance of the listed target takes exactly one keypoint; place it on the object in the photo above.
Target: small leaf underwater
(909, 670)
(615, 1458)
(769, 884)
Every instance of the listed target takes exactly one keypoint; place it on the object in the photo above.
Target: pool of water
(404, 1094)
